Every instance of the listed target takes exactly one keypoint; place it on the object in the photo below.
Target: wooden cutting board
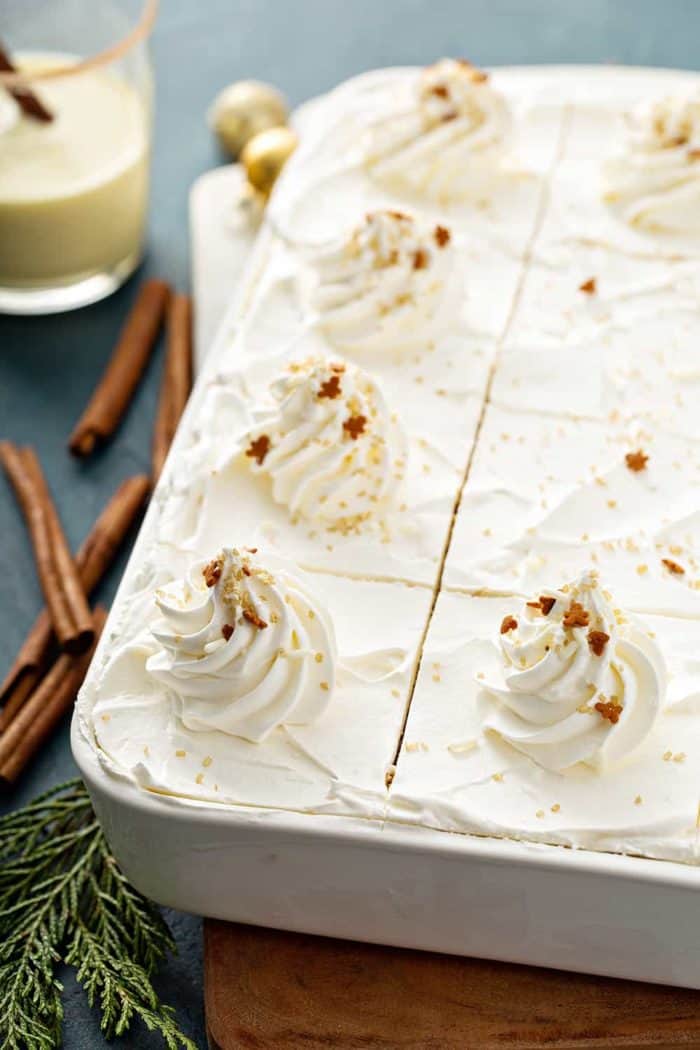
(269, 990)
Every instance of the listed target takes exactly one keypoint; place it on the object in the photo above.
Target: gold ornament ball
(244, 109)
(265, 155)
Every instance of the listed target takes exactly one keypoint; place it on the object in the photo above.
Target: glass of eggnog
(75, 133)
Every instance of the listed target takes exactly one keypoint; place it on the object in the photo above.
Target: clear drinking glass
(74, 189)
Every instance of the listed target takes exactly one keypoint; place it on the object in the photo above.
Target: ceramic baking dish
(390, 883)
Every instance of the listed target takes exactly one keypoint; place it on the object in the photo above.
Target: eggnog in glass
(75, 130)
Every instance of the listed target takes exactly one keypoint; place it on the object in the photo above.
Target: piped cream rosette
(582, 681)
(655, 179)
(391, 282)
(448, 129)
(241, 650)
(331, 448)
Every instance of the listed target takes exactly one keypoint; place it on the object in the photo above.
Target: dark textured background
(48, 367)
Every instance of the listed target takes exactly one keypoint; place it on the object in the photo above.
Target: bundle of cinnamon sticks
(48, 671)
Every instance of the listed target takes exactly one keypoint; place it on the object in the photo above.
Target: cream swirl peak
(582, 682)
(449, 127)
(243, 651)
(332, 449)
(655, 180)
(389, 284)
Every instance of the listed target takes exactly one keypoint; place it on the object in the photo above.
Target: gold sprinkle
(180, 753)
(638, 800)
(207, 761)
(642, 569)
(668, 755)
(318, 658)
(539, 814)
(556, 807)
(498, 777)
(462, 748)
(325, 686)
(199, 779)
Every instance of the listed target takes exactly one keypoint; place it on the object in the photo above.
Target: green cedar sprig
(63, 899)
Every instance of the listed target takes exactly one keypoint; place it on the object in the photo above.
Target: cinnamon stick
(177, 379)
(63, 591)
(45, 708)
(113, 393)
(92, 561)
(30, 104)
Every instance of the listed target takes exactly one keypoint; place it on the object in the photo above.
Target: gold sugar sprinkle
(180, 753)
(207, 761)
(462, 748)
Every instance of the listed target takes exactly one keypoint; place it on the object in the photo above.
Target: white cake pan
(415, 888)
(396, 884)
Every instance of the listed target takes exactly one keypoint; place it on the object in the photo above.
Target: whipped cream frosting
(242, 651)
(332, 446)
(582, 682)
(335, 763)
(546, 494)
(392, 282)
(454, 774)
(655, 179)
(449, 127)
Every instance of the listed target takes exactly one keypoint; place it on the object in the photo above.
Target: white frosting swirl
(451, 126)
(389, 284)
(655, 181)
(583, 682)
(243, 651)
(333, 450)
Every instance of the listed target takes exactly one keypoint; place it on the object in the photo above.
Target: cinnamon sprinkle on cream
(330, 388)
(355, 425)
(227, 630)
(421, 259)
(597, 640)
(252, 617)
(258, 449)
(576, 616)
(609, 711)
(509, 623)
(588, 287)
(212, 572)
(673, 566)
(636, 461)
(442, 236)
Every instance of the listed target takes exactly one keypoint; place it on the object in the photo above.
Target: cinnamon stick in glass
(30, 104)
(92, 561)
(45, 708)
(177, 379)
(65, 597)
(114, 391)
